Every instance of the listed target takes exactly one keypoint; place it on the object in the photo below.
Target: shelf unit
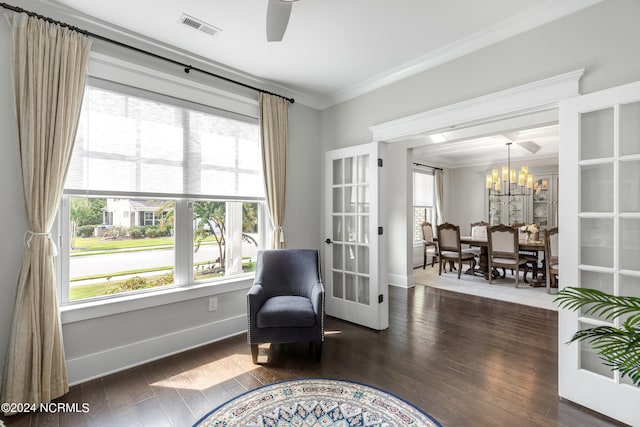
(544, 201)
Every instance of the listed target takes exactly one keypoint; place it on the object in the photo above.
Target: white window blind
(422, 189)
(127, 144)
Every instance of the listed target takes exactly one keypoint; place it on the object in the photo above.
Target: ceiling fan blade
(278, 13)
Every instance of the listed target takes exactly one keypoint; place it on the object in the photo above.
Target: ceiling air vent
(199, 25)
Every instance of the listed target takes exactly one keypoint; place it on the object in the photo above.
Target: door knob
(328, 241)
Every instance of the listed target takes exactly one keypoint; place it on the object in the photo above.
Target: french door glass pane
(363, 290)
(350, 258)
(589, 358)
(630, 244)
(596, 188)
(363, 168)
(596, 245)
(338, 288)
(596, 280)
(363, 233)
(363, 259)
(337, 229)
(629, 179)
(337, 257)
(363, 199)
(630, 129)
(337, 172)
(350, 228)
(337, 200)
(629, 286)
(350, 199)
(596, 133)
(350, 287)
(349, 171)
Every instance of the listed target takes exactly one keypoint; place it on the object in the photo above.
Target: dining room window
(423, 189)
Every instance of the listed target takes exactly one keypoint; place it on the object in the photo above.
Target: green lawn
(110, 286)
(84, 244)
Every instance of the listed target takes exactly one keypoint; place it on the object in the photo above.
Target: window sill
(77, 312)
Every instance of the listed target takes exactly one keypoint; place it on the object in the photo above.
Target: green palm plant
(617, 347)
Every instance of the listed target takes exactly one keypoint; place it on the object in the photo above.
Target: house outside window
(160, 193)
(423, 210)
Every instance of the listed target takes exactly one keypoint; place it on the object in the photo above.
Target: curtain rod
(427, 166)
(187, 67)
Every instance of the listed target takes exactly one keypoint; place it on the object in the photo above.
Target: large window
(422, 201)
(160, 192)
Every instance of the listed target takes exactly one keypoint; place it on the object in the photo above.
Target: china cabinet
(538, 206)
(508, 210)
(544, 201)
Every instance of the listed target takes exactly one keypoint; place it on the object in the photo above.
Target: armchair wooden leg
(254, 353)
(317, 350)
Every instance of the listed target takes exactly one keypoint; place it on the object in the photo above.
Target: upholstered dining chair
(477, 230)
(286, 302)
(503, 250)
(430, 246)
(449, 248)
(551, 257)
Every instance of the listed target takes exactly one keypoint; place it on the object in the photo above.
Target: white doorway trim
(405, 132)
(532, 97)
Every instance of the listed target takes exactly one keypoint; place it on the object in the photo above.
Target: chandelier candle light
(512, 183)
(515, 183)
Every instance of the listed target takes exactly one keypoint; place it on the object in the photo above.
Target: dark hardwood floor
(466, 360)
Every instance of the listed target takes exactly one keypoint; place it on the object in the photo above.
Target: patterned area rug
(317, 402)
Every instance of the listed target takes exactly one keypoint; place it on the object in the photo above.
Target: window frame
(424, 171)
(137, 79)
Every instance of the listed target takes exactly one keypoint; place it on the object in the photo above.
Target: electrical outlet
(213, 304)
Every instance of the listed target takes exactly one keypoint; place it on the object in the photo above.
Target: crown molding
(544, 13)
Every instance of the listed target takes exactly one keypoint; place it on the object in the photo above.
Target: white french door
(355, 265)
(599, 235)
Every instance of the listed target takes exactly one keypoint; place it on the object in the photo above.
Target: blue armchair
(286, 302)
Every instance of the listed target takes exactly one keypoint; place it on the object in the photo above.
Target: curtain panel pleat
(274, 122)
(439, 196)
(49, 72)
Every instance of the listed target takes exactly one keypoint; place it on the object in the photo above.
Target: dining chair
(477, 230)
(430, 246)
(503, 250)
(551, 257)
(531, 256)
(449, 248)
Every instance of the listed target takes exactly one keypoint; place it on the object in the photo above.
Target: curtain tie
(281, 230)
(53, 249)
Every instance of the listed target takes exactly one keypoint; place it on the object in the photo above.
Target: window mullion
(183, 242)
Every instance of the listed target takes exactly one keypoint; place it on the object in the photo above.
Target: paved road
(80, 266)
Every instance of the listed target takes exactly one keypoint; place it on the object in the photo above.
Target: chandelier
(512, 182)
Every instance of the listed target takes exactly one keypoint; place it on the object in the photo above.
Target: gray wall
(601, 39)
(116, 340)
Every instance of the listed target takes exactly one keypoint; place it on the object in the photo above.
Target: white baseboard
(96, 365)
(401, 281)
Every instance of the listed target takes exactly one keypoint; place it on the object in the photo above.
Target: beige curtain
(438, 174)
(49, 73)
(274, 121)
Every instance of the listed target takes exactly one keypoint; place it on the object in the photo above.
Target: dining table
(482, 242)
